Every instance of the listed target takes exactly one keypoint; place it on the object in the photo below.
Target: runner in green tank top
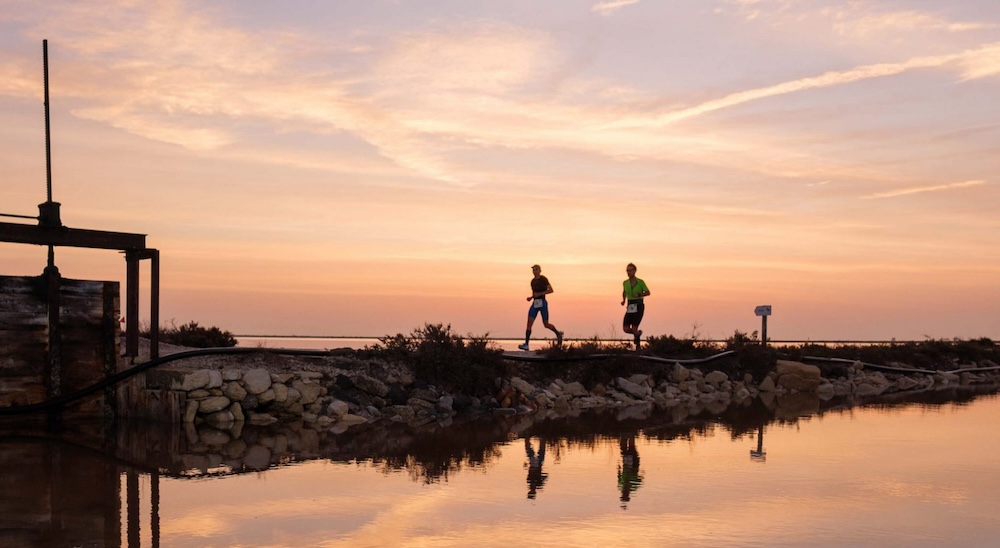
(633, 290)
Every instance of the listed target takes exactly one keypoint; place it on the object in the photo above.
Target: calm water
(892, 475)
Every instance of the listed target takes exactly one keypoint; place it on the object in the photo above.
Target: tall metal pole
(48, 142)
(48, 215)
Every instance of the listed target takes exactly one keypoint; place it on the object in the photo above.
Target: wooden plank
(70, 237)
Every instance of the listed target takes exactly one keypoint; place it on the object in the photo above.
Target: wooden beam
(70, 237)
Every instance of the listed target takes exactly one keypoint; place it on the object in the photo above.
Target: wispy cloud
(421, 99)
(858, 20)
(984, 63)
(918, 190)
(979, 62)
(607, 8)
(855, 19)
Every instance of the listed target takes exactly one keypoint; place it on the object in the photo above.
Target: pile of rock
(338, 398)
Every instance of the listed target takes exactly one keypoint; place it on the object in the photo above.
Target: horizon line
(846, 341)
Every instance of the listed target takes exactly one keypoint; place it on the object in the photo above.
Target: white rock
(257, 381)
(213, 404)
(716, 378)
(237, 412)
(234, 391)
(338, 408)
(231, 374)
(266, 396)
(280, 392)
(633, 389)
(214, 378)
(522, 385)
(195, 380)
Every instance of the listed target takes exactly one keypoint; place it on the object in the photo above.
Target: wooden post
(154, 303)
(53, 360)
(763, 311)
(132, 304)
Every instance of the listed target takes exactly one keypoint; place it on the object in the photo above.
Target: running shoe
(559, 336)
(523, 346)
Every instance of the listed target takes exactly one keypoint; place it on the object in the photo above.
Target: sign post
(763, 311)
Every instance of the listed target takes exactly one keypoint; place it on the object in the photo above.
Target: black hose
(895, 369)
(518, 357)
(60, 401)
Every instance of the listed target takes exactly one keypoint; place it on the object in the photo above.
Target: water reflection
(629, 477)
(536, 478)
(758, 454)
(91, 485)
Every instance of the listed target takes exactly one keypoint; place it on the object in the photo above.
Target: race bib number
(632, 308)
(537, 303)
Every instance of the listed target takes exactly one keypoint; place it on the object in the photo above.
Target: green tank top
(632, 292)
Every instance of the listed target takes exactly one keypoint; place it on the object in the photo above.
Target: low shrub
(193, 335)
(440, 357)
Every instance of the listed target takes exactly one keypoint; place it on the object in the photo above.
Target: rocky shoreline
(340, 391)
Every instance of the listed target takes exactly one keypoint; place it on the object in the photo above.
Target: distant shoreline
(517, 338)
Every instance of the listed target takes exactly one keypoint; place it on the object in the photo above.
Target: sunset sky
(362, 167)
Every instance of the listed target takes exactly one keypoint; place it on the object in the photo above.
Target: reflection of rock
(262, 419)
(257, 458)
(213, 436)
(867, 389)
(796, 404)
(350, 420)
(221, 419)
(634, 412)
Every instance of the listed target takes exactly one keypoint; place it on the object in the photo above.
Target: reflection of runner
(628, 473)
(536, 478)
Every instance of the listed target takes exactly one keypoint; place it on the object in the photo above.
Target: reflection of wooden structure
(73, 496)
(759, 455)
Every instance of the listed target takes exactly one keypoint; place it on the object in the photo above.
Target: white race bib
(538, 303)
(632, 308)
